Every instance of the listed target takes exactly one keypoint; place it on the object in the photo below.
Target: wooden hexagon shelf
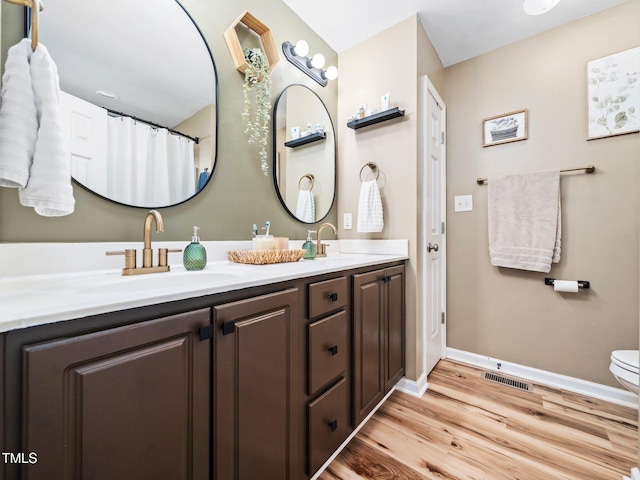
(233, 42)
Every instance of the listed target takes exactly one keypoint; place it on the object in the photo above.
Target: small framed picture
(505, 128)
(613, 87)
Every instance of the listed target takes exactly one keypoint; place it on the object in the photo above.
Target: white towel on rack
(18, 121)
(524, 220)
(370, 217)
(49, 188)
(306, 208)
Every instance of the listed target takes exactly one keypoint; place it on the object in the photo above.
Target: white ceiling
(162, 75)
(458, 29)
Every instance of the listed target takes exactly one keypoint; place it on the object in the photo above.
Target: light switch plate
(463, 203)
(347, 221)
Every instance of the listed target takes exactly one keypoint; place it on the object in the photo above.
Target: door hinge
(206, 332)
(444, 137)
(443, 318)
(442, 228)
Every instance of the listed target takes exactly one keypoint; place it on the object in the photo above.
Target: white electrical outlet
(463, 203)
(347, 221)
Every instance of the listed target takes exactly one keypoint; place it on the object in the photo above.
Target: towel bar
(581, 283)
(587, 169)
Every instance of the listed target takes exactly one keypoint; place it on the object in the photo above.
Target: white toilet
(624, 366)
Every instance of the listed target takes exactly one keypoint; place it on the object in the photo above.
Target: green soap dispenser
(309, 246)
(195, 256)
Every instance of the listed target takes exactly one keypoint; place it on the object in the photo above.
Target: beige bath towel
(524, 220)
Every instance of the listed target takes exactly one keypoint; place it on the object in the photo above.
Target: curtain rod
(120, 114)
(587, 169)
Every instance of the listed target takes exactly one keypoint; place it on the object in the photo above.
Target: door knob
(432, 247)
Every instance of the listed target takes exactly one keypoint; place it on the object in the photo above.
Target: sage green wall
(238, 194)
(510, 314)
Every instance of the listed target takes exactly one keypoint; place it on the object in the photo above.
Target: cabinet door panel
(253, 388)
(394, 368)
(129, 402)
(368, 343)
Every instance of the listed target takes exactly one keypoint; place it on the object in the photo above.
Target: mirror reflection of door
(138, 105)
(304, 154)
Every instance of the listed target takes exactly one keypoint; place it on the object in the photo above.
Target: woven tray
(264, 257)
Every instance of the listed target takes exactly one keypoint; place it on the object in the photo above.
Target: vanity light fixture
(313, 67)
(538, 7)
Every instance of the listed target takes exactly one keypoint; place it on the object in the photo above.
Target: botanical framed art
(613, 94)
(505, 128)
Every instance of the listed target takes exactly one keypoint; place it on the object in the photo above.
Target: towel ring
(372, 166)
(310, 177)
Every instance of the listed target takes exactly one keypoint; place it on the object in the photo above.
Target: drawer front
(327, 296)
(328, 350)
(328, 424)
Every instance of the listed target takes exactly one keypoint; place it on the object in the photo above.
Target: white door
(84, 127)
(433, 226)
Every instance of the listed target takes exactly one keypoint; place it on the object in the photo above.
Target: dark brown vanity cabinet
(128, 402)
(378, 326)
(265, 382)
(256, 385)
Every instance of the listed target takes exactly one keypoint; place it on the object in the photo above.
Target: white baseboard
(618, 396)
(415, 388)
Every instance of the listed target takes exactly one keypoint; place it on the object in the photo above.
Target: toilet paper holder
(581, 283)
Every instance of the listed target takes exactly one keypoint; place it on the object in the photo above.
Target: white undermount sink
(160, 281)
(110, 282)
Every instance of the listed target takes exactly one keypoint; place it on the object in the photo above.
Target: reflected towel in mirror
(306, 208)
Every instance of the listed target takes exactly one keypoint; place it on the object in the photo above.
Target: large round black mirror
(138, 98)
(304, 157)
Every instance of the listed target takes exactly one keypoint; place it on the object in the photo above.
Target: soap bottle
(195, 256)
(309, 246)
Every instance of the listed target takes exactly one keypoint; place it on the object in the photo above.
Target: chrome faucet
(321, 248)
(147, 252)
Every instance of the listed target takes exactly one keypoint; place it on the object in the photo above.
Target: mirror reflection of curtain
(141, 157)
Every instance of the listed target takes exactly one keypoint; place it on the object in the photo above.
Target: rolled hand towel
(49, 188)
(18, 121)
(370, 217)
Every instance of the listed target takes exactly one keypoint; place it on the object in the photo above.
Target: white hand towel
(370, 217)
(49, 188)
(524, 220)
(18, 121)
(306, 208)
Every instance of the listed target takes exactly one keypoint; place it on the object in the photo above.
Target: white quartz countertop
(36, 299)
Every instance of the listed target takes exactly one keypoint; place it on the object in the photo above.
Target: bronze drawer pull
(333, 297)
(333, 425)
(334, 350)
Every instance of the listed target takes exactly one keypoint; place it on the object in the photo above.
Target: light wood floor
(469, 428)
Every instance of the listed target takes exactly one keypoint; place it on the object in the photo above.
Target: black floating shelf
(375, 118)
(314, 137)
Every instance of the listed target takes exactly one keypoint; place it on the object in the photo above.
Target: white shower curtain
(148, 166)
